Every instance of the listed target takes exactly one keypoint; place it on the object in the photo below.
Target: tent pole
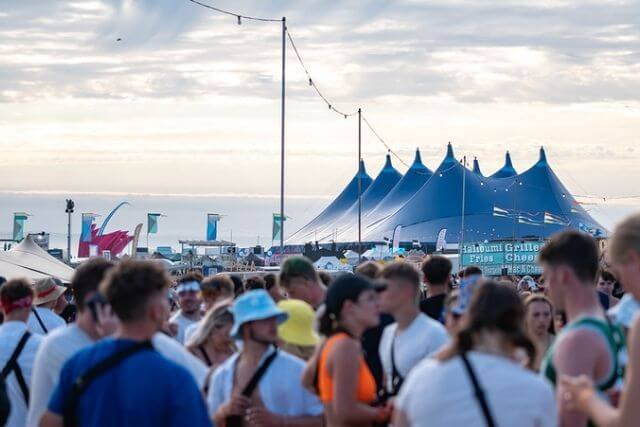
(464, 189)
(69, 237)
(282, 217)
(359, 186)
(515, 221)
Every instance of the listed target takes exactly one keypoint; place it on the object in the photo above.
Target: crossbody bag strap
(13, 366)
(478, 391)
(39, 319)
(81, 383)
(257, 376)
(247, 391)
(396, 378)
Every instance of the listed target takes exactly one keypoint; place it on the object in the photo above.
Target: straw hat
(47, 290)
(298, 328)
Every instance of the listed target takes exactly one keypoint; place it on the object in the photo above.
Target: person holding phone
(93, 321)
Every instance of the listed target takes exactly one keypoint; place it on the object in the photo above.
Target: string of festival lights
(305, 68)
(332, 106)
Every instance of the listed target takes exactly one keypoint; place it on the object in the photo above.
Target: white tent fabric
(10, 271)
(329, 263)
(29, 260)
(349, 254)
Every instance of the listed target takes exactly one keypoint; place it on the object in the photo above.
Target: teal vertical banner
(212, 226)
(87, 221)
(18, 225)
(152, 223)
(277, 227)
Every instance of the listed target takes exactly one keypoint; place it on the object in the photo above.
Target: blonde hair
(625, 237)
(217, 317)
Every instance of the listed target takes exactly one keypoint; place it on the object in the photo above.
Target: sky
(166, 97)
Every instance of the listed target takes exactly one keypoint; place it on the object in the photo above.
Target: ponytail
(327, 325)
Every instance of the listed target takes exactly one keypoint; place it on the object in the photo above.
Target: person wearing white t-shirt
(18, 347)
(476, 380)
(188, 290)
(43, 319)
(94, 321)
(413, 336)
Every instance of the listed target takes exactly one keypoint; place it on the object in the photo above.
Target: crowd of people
(395, 344)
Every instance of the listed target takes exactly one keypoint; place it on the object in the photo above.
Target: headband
(8, 306)
(192, 286)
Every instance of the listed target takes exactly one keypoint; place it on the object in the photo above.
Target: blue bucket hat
(254, 305)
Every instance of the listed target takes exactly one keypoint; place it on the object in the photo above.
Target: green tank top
(614, 337)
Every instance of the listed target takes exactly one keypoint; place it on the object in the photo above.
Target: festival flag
(595, 232)
(528, 221)
(152, 222)
(276, 227)
(18, 225)
(441, 242)
(502, 213)
(87, 221)
(554, 219)
(396, 238)
(212, 226)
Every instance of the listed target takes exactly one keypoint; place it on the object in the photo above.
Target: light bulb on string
(239, 20)
(310, 82)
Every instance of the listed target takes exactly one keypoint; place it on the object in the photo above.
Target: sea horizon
(246, 218)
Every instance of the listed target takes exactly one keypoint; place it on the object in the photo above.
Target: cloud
(185, 88)
(471, 51)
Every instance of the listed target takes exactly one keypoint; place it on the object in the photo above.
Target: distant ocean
(246, 218)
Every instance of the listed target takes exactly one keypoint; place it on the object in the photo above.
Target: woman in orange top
(338, 370)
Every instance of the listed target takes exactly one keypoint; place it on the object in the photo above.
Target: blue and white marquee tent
(335, 210)
(505, 205)
(377, 191)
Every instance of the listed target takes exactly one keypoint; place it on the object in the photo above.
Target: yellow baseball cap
(298, 328)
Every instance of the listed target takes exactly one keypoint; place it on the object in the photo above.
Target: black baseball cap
(348, 287)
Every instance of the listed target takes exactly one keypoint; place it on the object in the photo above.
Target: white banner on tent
(441, 243)
(396, 239)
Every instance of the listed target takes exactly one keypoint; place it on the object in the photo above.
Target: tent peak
(476, 166)
(507, 170)
(418, 158)
(362, 170)
(387, 162)
(542, 161)
(450, 155)
(507, 160)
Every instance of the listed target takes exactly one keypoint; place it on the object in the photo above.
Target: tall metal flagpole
(359, 186)
(464, 191)
(516, 218)
(282, 217)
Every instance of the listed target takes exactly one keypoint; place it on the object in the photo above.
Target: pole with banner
(212, 226)
(87, 221)
(276, 228)
(19, 219)
(152, 225)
